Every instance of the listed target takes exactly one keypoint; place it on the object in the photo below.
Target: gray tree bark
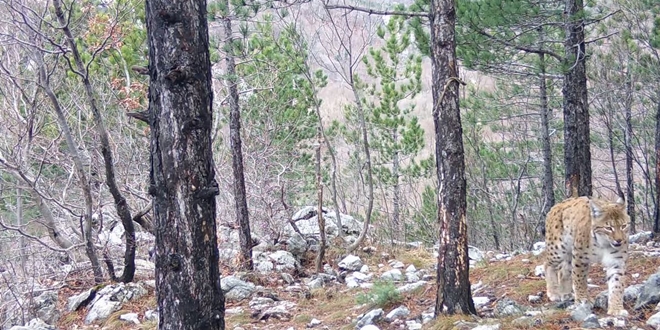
(320, 256)
(399, 229)
(120, 202)
(656, 213)
(369, 169)
(90, 249)
(240, 195)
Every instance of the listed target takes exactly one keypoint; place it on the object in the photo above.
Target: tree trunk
(240, 195)
(548, 178)
(656, 213)
(610, 140)
(630, 183)
(182, 176)
(86, 229)
(333, 184)
(120, 202)
(370, 176)
(453, 292)
(577, 153)
(319, 210)
(22, 243)
(399, 232)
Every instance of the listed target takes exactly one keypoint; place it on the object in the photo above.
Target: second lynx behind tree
(580, 231)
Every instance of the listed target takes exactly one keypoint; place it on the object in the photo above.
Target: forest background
(74, 152)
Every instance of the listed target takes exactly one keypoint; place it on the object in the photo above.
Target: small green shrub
(382, 294)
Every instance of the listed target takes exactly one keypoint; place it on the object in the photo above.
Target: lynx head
(609, 222)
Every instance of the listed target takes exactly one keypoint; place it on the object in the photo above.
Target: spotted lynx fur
(581, 231)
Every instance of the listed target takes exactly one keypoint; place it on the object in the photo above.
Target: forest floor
(337, 307)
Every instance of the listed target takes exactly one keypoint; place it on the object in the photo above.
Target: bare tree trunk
(22, 244)
(90, 249)
(120, 202)
(240, 196)
(656, 213)
(333, 178)
(397, 227)
(367, 161)
(319, 210)
(548, 178)
(577, 153)
(630, 191)
(610, 141)
(453, 292)
(182, 177)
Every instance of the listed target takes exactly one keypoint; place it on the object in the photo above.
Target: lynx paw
(618, 312)
(554, 297)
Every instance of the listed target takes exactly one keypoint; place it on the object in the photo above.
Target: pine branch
(518, 47)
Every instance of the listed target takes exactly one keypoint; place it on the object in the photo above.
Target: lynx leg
(615, 291)
(565, 272)
(580, 273)
(552, 281)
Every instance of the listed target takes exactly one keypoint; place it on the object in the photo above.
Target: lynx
(580, 231)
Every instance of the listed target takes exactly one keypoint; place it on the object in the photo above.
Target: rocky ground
(374, 289)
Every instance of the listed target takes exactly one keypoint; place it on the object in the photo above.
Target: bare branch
(372, 11)
(601, 38)
(37, 239)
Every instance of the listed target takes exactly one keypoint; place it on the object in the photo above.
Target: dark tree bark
(577, 142)
(183, 182)
(453, 295)
(548, 177)
(630, 183)
(240, 196)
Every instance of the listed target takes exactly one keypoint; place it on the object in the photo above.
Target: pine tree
(395, 133)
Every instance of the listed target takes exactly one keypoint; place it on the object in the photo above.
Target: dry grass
(421, 258)
(332, 305)
(337, 306)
